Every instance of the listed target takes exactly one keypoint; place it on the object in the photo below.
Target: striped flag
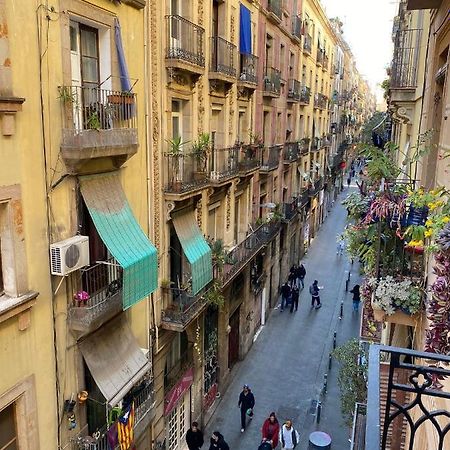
(125, 426)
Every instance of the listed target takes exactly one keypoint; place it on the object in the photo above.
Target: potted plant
(175, 154)
(121, 98)
(200, 150)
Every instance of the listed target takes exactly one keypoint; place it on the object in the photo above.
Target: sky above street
(368, 30)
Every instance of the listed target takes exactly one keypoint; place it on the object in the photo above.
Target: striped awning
(122, 235)
(195, 248)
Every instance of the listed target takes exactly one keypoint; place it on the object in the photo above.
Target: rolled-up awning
(114, 359)
(195, 247)
(122, 235)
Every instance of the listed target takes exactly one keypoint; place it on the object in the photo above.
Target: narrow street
(285, 367)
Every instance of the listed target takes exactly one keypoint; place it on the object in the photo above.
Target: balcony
(270, 158)
(315, 187)
(305, 95)
(304, 146)
(223, 60)
(103, 284)
(423, 4)
(290, 210)
(144, 410)
(326, 62)
(184, 45)
(274, 9)
(319, 56)
(405, 398)
(294, 90)
(243, 253)
(248, 71)
(184, 174)
(272, 82)
(303, 198)
(307, 44)
(97, 123)
(297, 28)
(290, 152)
(315, 144)
(249, 158)
(320, 101)
(182, 310)
(224, 164)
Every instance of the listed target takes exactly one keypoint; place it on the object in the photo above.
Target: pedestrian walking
(340, 247)
(218, 442)
(294, 298)
(194, 437)
(314, 291)
(356, 297)
(292, 278)
(349, 180)
(301, 273)
(285, 291)
(270, 430)
(289, 436)
(246, 403)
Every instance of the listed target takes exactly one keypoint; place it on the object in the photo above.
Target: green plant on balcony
(214, 295)
(200, 150)
(176, 154)
(66, 95)
(381, 163)
(356, 204)
(255, 139)
(93, 121)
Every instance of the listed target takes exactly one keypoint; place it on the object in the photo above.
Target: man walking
(294, 298)
(194, 437)
(314, 291)
(246, 404)
(301, 273)
(285, 293)
(289, 436)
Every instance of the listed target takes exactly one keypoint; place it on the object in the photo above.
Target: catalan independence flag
(125, 427)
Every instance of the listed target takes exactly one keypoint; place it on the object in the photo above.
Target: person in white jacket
(289, 436)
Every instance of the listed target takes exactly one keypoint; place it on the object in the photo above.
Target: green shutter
(122, 235)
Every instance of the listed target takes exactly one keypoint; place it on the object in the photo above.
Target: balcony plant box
(122, 98)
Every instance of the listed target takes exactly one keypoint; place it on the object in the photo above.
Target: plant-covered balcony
(250, 157)
(304, 146)
(224, 163)
(290, 210)
(320, 101)
(270, 158)
(99, 299)
(272, 82)
(248, 70)
(294, 90)
(274, 10)
(297, 28)
(307, 44)
(223, 60)
(290, 152)
(305, 95)
(97, 123)
(184, 45)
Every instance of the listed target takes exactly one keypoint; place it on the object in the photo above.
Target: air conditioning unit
(69, 255)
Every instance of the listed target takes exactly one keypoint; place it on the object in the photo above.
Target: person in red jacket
(270, 430)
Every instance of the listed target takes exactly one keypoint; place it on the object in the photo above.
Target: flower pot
(417, 216)
(418, 250)
(121, 99)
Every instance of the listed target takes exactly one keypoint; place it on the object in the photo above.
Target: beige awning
(115, 359)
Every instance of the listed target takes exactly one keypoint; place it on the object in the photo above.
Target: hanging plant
(356, 205)
(214, 296)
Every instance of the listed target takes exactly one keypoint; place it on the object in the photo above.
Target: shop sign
(177, 392)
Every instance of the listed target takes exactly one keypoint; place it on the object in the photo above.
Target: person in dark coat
(294, 298)
(270, 430)
(194, 437)
(285, 291)
(356, 297)
(301, 273)
(218, 442)
(246, 402)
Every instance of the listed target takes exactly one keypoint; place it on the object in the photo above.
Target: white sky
(367, 29)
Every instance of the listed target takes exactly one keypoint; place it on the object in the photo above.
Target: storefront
(211, 368)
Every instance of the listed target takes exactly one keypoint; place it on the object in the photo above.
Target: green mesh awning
(122, 235)
(196, 249)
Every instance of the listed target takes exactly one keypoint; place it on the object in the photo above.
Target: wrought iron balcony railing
(294, 90)
(307, 44)
(272, 81)
(304, 146)
(290, 210)
(248, 68)
(297, 27)
(290, 152)
(102, 283)
(405, 63)
(316, 186)
(249, 158)
(326, 61)
(185, 41)
(303, 198)
(319, 56)
(405, 397)
(270, 157)
(274, 7)
(320, 101)
(223, 57)
(224, 163)
(305, 95)
(315, 144)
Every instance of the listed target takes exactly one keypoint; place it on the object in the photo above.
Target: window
(269, 51)
(266, 127)
(282, 57)
(8, 429)
(291, 65)
(177, 123)
(279, 128)
(8, 284)
(304, 74)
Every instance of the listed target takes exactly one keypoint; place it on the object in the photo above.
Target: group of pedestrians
(290, 290)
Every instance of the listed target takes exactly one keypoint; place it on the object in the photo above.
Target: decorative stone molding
(170, 206)
(405, 114)
(138, 4)
(201, 106)
(9, 106)
(199, 209)
(228, 210)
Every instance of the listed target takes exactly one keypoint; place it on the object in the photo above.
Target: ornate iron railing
(223, 56)
(250, 157)
(92, 108)
(307, 43)
(305, 95)
(304, 146)
(405, 63)
(274, 6)
(290, 210)
(294, 90)
(303, 198)
(290, 152)
(224, 163)
(185, 40)
(409, 397)
(297, 27)
(248, 68)
(316, 187)
(272, 81)
(270, 157)
(103, 284)
(320, 101)
(326, 61)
